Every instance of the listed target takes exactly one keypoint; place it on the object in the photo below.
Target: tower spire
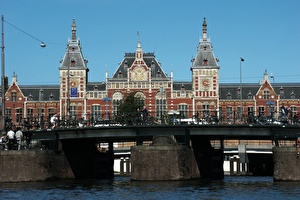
(204, 30)
(73, 30)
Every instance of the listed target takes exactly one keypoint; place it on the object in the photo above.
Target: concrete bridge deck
(134, 133)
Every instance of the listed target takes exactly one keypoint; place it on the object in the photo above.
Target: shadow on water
(232, 187)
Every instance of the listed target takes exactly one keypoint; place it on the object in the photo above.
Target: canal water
(232, 187)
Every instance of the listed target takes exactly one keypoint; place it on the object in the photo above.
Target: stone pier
(163, 160)
(286, 164)
(33, 165)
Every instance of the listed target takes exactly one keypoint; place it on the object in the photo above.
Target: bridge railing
(201, 117)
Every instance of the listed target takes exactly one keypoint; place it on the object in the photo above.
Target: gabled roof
(73, 57)
(148, 58)
(205, 57)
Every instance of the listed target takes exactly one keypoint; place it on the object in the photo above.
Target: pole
(241, 90)
(68, 85)
(3, 79)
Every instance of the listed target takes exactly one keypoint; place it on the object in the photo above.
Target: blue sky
(266, 33)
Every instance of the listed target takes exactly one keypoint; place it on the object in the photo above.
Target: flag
(242, 59)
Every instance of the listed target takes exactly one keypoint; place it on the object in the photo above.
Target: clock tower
(205, 72)
(73, 78)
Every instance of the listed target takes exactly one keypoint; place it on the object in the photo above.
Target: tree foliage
(128, 108)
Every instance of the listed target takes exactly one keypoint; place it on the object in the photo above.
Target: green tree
(129, 109)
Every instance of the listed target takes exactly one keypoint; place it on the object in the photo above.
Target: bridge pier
(163, 160)
(286, 164)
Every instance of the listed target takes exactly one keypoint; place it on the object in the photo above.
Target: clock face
(73, 82)
(139, 74)
(205, 82)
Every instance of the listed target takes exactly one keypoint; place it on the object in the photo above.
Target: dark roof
(285, 89)
(179, 85)
(34, 92)
(150, 61)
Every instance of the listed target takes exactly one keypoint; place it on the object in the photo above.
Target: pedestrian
(53, 121)
(4, 142)
(11, 138)
(19, 137)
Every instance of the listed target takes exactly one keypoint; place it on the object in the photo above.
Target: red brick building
(140, 72)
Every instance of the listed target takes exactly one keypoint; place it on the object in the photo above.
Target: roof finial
(73, 30)
(204, 29)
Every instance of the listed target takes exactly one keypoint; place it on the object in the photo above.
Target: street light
(3, 67)
(3, 79)
(41, 94)
(241, 91)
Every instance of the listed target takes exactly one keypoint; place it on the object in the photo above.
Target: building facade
(140, 72)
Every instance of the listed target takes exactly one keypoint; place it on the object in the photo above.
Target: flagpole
(241, 91)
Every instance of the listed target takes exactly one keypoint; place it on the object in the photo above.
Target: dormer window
(204, 48)
(281, 92)
(238, 92)
(95, 87)
(182, 91)
(249, 95)
(120, 75)
(73, 62)
(229, 95)
(158, 74)
(205, 61)
(51, 97)
(30, 97)
(293, 95)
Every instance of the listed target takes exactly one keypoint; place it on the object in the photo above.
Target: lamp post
(3, 79)
(241, 90)
(41, 94)
(162, 90)
(42, 44)
(106, 100)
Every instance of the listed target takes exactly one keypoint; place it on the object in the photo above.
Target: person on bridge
(11, 138)
(19, 137)
(53, 121)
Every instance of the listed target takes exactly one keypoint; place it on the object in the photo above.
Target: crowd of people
(14, 139)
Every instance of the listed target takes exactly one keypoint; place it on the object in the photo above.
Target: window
(96, 112)
(250, 95)
(51, 97)
(182, 91)
(160, 103)
(183, 110)
(281, 93)
(238, 92)
(229, 114)
(117, 99)
(29, 113)
(8, 113)
(30, 97)
(205, 110)
(229, 96)
(73, 111)
(293, 96)
(261, 111)
(19, 115)
(266, 94)
(14, 96)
